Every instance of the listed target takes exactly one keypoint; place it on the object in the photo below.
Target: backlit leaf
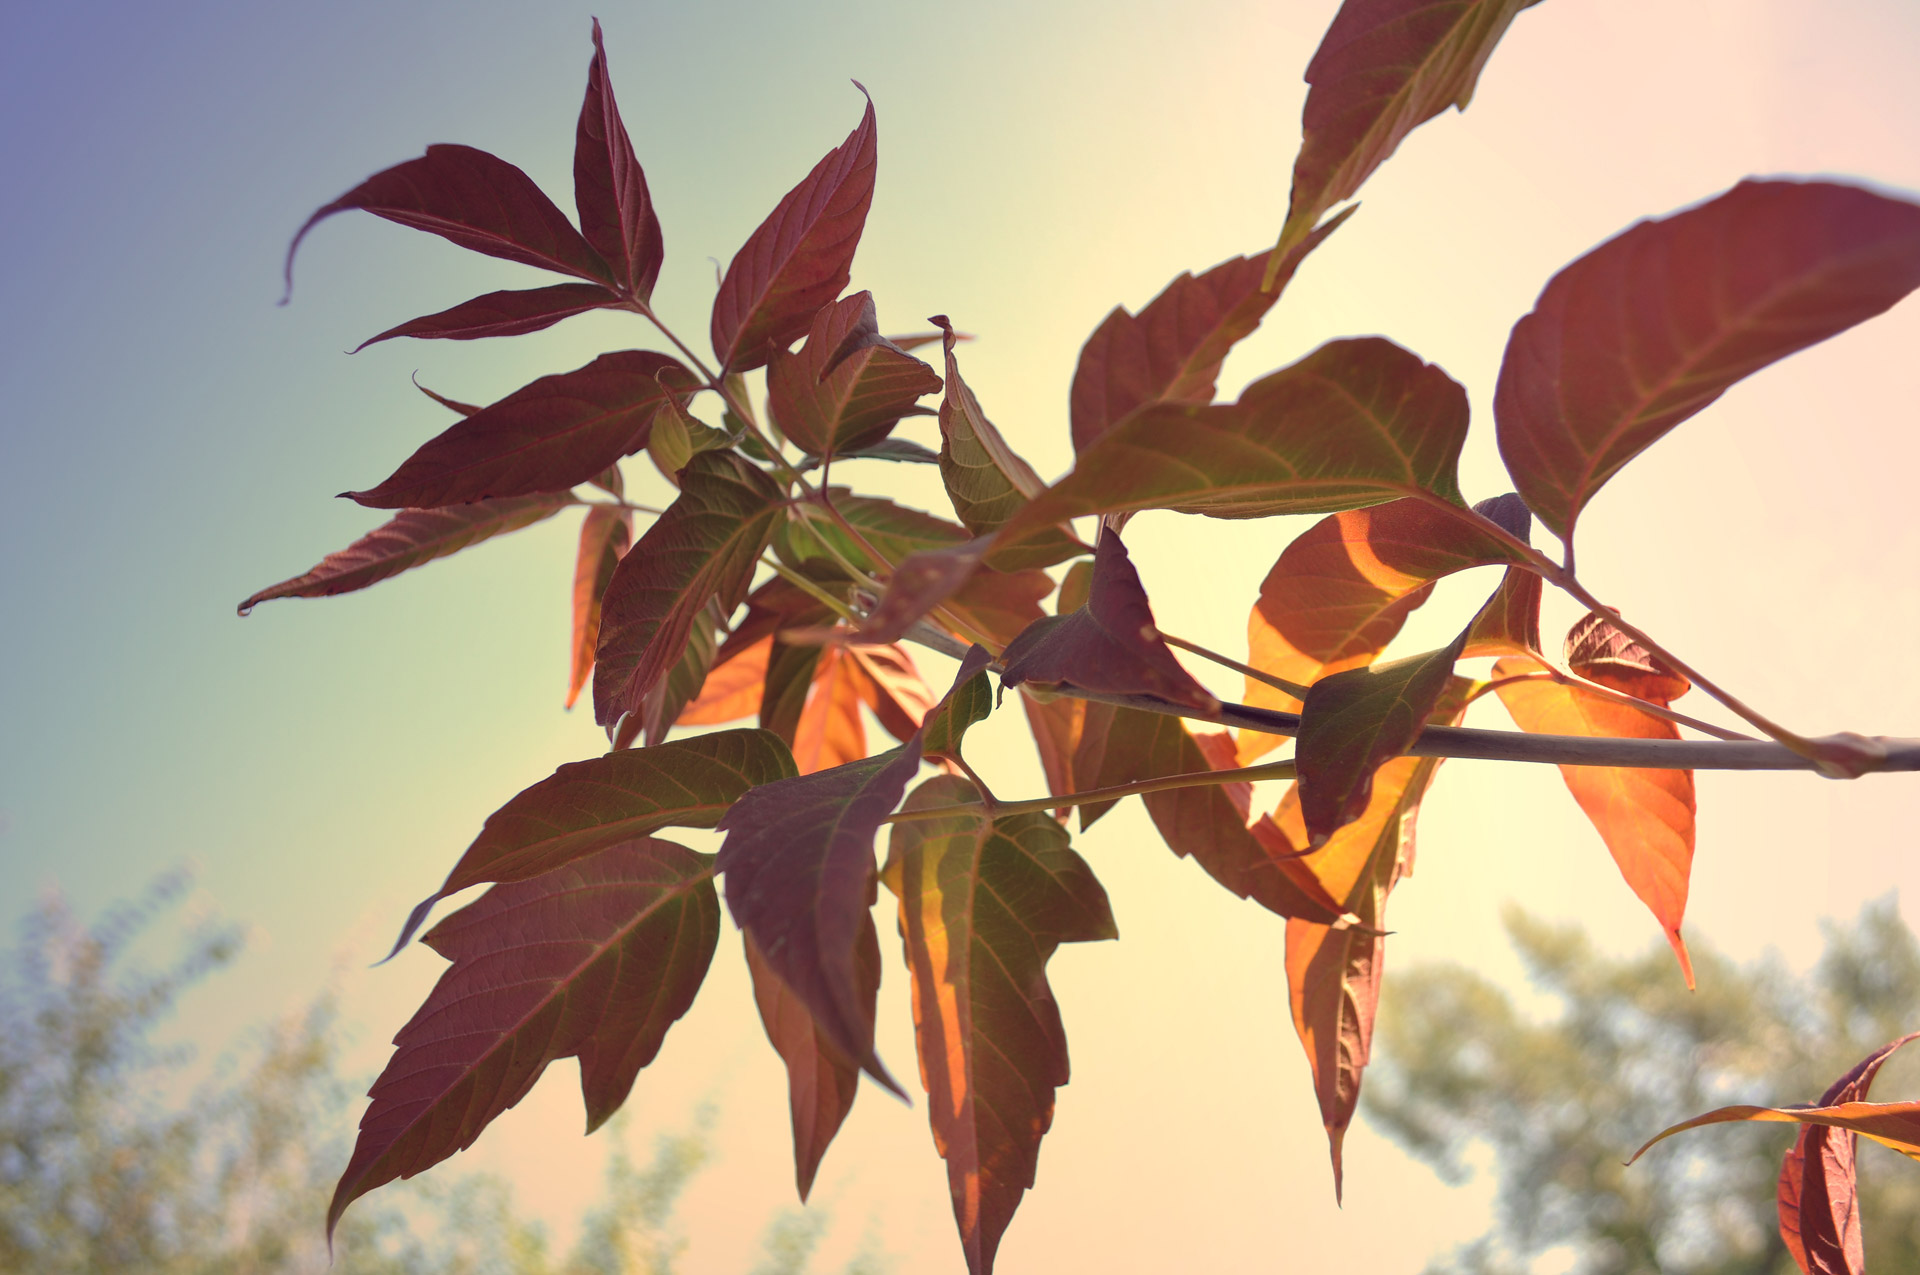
(1658, 322)
(733, 687)
(1646, 817)
(987, 480)
(596, 961)
(510, 313)
(848, 386)
(983, 906)
(412, 538)
(1598, 651)
(609, 188)
(552, 435)
(1056, 726)
(829, 731)
(1891, 1124)
(890, 685)
(1110, 644)
(1172, 350)
(605, 534)
(799, 258)
(822, 1082)
(969, 703)
(705, 546)
(1384, 68)
(476, 200)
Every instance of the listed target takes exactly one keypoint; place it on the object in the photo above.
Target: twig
(1278, 683)
(1166, 783)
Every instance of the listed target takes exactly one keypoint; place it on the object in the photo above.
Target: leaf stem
(1166, 783)
(1604, 692)
(1278, 683)
(812, 589)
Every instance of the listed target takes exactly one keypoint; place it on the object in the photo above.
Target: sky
(171, 441)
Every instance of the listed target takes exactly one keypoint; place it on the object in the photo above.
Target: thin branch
(627, 505)
(1166, 783)
(1608, 693)
(1278, 683)
(811, 589)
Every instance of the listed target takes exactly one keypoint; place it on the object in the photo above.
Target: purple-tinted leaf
(451, 404)
(1110, 644)
(476, 200)
(1658, 322)
(705, 546)
(609, 188)
(413, 538)
(1172, 350)
(510, 313)
(799, 258)
(552, 435)
(848, 386)
(987, 480)
(594, 961)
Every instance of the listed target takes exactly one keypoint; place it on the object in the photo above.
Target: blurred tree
(1560, 1102)
(111, 1162)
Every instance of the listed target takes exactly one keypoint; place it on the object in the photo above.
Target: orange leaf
(605, 534)
(829, 732)
(732, 689)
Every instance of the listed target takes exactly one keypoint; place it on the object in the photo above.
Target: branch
(1166, 783)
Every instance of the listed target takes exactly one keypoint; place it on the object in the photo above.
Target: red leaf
(413, 538)
(1600, 652)
(596, 960)
(1819, 1201)
(552, 435)
(609, 188)
(1109, 645)
(478, 201)
(1646, 817)
(605, 534)
(511, 313)
(662, 706)
(1172, 350)
(799, 258)
(821, 1081)
(1658, 322)
(849, 386)
(705, 546)
(983, 907)
(1384, 68)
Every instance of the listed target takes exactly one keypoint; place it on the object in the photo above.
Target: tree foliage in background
(112, 1161)
(765, 591)
(1560, 1098)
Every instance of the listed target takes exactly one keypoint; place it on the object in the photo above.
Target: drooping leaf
(552, 435)
(848, 386)
(510, 313)
(1891, 1124)
(1384, 68)
(1125, 745)
(983, 906)
(704, 546)
(1353, 721)
(605, 534)
(1819, 1199)
(586, 806)
(412, 538)
(1111, 644)
(986, 479)
(1598, 651)
(829, 731)
(799, 258)
(609, 187)
(822, 1082)
(1658, 322)
(476, 200)
(595, 960)
(1172, 350)
(1645, 817)
(891, 686)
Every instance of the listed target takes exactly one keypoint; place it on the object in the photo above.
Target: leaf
(1110, 645)
(464, 409)
(610, 189)
(596, 961)
(1892, 1124)
(1339, 593)
(605, 534)
(986, 479)
(969, 703)
(476, 200)
(798, 859)
(1646, 817)
(682, 685)
(822, 1082)
(1600, 652)
(677, 438)
(552, 435)
(1658, 322)
(586, 806)
(1353, 721)
(510, 313)
(411, 539)
(848, 386)
(983, 906)
(890, 685)
(1125, 745)
(799, 258)
(902, 450)
(829, 732)
(1172, 350)
(705, 546)
(1357, 422)
(1819, 1202)
(1384, 68)
(1056, 726)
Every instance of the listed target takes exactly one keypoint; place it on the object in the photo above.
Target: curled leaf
(848, 386)
(1600, 652)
